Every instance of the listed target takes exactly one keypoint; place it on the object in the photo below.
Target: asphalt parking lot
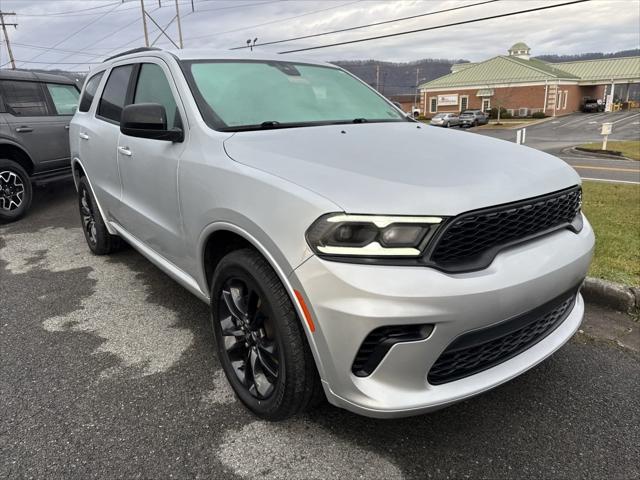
(558, 135)
(107, 371)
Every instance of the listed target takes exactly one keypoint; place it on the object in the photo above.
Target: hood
(402, 168)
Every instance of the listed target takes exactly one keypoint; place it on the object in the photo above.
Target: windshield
(467, 112)
(251, 95)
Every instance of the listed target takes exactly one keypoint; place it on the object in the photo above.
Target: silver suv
(345, 250)
(35, 110)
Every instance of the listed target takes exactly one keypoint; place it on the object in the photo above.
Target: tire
(16, 192)
(260, 340)
(98, 238)
(475, 123)
(447, 125)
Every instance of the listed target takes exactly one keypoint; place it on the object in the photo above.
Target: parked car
(445, 120)
(343, 249)
(591, 105)
(35, 110)
(473, 118)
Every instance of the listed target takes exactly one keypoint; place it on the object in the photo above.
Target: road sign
(606, 128)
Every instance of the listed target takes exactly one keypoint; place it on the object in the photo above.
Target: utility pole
(144, 24)
(378, 77)
(6, 36)
(179, 25)
(415, 97)
(193, 9)
(163, 31)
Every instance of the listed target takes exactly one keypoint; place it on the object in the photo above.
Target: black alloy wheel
(88, 218)
(99, 240)
(261, 343)
(246, 323)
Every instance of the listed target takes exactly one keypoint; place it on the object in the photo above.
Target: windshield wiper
(359, 120)
(269, 124)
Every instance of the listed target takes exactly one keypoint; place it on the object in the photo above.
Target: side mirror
(148, 120)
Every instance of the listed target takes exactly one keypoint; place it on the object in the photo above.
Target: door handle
(124, 151)
(83, 136)
(24, 128)
(66, 127)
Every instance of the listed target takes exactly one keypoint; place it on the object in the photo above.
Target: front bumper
(348, 301)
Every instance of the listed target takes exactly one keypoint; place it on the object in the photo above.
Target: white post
(604, 142)
(519, 137)
(524, 135)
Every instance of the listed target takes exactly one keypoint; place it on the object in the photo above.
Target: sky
(70, 34)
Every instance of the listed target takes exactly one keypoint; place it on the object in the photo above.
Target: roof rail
(133, 50)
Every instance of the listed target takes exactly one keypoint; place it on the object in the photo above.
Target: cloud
(110, 26)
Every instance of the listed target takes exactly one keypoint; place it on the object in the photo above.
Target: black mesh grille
(482, 349)
(474, 236)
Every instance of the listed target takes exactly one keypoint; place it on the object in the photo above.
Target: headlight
(338, 234)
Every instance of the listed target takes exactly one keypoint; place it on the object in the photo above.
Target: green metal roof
(512, 69)
(501, 69)
(605, 69)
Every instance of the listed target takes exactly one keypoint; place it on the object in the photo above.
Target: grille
(473, 239)
(376, 345)
(476, 351)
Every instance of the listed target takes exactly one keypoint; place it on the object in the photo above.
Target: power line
(385, 22)
(77, 31)
(464, 22)
(312, 12)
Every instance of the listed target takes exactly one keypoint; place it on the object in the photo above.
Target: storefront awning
(485, 92)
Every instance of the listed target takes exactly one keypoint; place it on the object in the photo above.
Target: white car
(345, 250)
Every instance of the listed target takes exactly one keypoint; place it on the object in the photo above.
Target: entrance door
(486, 104)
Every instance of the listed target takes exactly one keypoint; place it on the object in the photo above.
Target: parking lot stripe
(609, 180)
(626, 118)
(611, 169)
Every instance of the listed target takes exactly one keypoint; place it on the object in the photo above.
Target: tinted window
(64, 97)
(153, 87)
(287, 93)
(25, 99)
(115, 93)
(89, 92)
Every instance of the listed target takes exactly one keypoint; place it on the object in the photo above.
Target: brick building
(523, 85)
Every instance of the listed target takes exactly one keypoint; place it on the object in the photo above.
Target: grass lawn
(629, 148)
(614, 212)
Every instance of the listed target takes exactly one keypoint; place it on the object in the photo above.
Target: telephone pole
(6, 36)
(163, 30)
(378, 77)
(144, 24)
(415, 97)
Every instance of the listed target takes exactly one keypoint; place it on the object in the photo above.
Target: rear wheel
(447, 125)
(260, 341)
(16, 192)
(100, 241)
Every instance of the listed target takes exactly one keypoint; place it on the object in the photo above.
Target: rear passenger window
(153, 87)
(64, 98)
(115, 93)
(90, 92)
(24, 99)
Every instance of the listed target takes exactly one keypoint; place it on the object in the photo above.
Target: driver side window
(153, 87)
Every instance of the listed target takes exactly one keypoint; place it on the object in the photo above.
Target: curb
(612, 295)
(596, 153)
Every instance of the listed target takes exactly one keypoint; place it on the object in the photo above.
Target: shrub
(538, 115)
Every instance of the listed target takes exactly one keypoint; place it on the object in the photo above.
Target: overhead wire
(436, 27)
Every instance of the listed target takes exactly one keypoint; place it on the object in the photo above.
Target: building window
(464, 103)
(486, 104)
(566, 95)
(433, 104)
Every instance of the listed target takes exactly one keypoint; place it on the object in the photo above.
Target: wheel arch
(78, 170)
(215, 234)
(12, 151)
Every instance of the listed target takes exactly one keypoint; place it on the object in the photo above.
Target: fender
(213, 227)
(76, 161)
(9, 141)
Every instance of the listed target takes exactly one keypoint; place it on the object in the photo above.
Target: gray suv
(345, 250)
(35, 110)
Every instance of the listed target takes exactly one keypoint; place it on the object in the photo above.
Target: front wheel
(447, 125)
(16, 192)
(260, 341)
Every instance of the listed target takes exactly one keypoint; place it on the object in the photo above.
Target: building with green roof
(525, 85)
